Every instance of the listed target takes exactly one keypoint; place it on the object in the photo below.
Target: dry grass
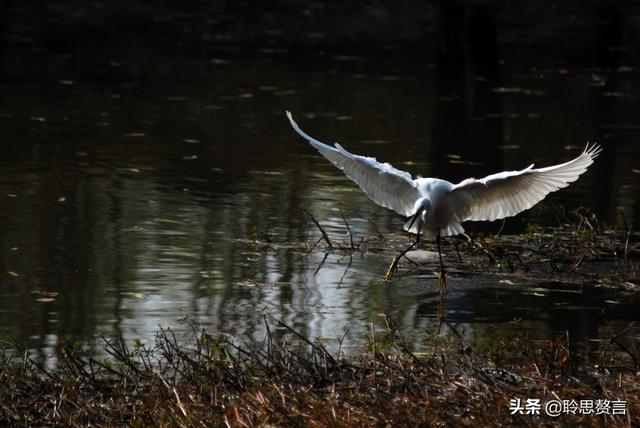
(295, 381)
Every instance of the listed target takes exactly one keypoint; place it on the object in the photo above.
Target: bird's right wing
(507, 193)
(383, 184)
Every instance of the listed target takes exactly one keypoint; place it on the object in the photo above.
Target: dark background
(144, 150)
(581, 33)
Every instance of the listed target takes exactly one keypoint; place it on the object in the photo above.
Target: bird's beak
(415, 216)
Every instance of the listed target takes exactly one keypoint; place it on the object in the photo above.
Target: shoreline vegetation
(289, 379)
(581, 251)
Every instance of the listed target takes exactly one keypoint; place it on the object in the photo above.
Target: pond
(142, 190)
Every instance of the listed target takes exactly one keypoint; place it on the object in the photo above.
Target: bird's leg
(393, 267)
(442, 310)
(442, 277)
(411, 261)
(439, 251)
(394, 264)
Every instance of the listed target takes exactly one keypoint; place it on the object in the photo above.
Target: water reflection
(152, 190)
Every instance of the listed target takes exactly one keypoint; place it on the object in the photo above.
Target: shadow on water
(139, 185)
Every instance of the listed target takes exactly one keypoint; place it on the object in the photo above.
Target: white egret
(437, 207)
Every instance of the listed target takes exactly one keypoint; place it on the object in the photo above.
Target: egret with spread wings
(437, 207)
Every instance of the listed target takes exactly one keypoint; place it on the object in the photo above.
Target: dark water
(139, 190)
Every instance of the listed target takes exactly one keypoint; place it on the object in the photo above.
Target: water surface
(138, 190)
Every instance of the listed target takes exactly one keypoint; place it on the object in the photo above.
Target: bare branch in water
(324, 234)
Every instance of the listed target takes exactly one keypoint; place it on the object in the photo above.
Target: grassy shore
(292, 380)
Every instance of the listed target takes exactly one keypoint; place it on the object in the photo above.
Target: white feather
(385, 185)
(507, 193)
(440, 205)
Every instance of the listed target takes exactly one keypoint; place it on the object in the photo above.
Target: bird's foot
(393, 267)
(442, 282)
(442, 310)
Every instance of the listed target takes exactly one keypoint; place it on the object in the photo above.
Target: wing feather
(383, 184)
(507, 193)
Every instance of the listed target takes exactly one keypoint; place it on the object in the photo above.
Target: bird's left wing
(384, 184)
(507, 193)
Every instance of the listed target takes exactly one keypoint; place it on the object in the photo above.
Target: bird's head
(423, 206)
(422, 209)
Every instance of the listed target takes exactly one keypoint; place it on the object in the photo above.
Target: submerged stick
(324, 234)
(626, 244)
(348, 229)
